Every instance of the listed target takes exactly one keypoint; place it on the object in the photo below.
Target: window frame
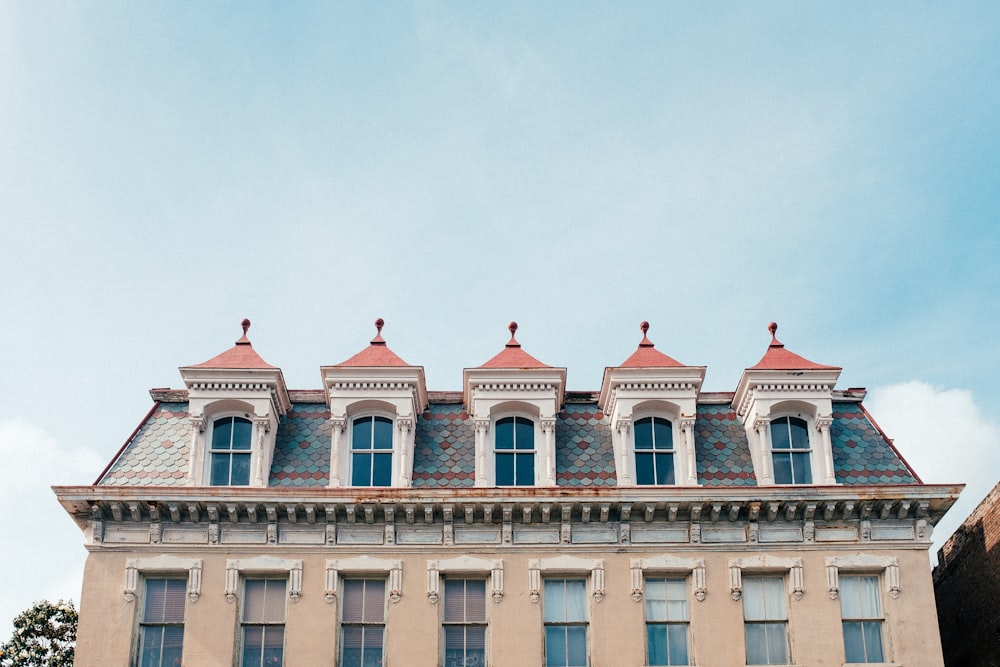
(886, 568)
(864, 621)
(342, 624)
(536, 449)
(465, 623)
(566, 623)
(809, 453)
(351, 451)
(141, 621)
(211, 420)
(675, 450)
(768, 621)
(245, 624)
(667, 622)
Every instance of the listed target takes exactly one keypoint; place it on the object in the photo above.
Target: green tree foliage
(44, 636)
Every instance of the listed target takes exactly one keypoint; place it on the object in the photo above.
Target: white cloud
(945, 437)
(42, 551)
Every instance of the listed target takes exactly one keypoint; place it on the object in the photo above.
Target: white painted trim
(335, 567)
(563, 565)
(166, 564)
(235, 567)
(861, 563)
(667, 564)
(465, 564)
(765, 563)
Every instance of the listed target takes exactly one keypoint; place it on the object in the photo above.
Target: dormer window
(791, 454)
(371, 451)
(514, 451)
(230, 451)
(654, 451)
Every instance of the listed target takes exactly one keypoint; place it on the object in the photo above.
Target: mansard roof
(777, 358)
(444, 448)
(239, 357)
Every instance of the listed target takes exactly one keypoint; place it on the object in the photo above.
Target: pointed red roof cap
(376, 354)
(242, 355)
(777, 358)
(512, 356)
(646, 356)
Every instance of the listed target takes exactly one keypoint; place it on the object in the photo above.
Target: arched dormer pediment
(651, 388)
(235, 384)
(374, 385)
(785, 403)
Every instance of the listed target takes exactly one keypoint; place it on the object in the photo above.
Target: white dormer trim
(494, 393)
(629, 394)
(257, 394)
(396, 392)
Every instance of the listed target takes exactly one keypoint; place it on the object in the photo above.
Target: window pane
(151, 646)
(173, 646)
(663, 434)
(253, 601)
(854, 642)
(576, 645)
(643, 433)
(242, 433)
(756, 644)
(361, 469)
(164, 601)
(222, 433)
(524, 433)
(383, 433)
(664, 468)
(274, 601)
(241, 470)
(798, 433)
(801, 468)
(361, 433)
(274, 645)
(505, 469)
(677, 644)
(656, 644)
(873, 641)
(555, 600)
(382, 472)
(780, 438)
(555, 645)
(644, 473)
(220, 469)
(656, 600)
(525, 469)
(504, 437)
(576, 600)
(777, 646)
(253, 645)
(782, 468)
(475, 640)
(870, 605)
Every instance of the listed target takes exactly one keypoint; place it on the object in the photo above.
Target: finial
(645, 342)
(246, 326)
(512, 327)
(773, 328)
(379, 323)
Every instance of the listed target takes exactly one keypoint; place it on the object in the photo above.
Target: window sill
(872, 664)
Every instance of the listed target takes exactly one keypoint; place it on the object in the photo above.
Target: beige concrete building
(512, 523)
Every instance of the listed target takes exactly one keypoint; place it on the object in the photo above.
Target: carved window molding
(159, 565)
(765, 563)
(263, 565)
(667, 564)
(566, 565)
(464, 565)
(335, 567)
(862, 563)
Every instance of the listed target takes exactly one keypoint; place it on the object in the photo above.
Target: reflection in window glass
(371, 451)
(790, 451)
(514, 443)
(230, 451)
(654, 451)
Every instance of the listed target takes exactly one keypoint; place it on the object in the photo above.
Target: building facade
(512, 523)
(967, 587)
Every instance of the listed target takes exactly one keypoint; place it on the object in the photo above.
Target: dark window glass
(514, 460)
(654, 451)
(230, 451)
(790, 452)
(371, 456)
(161, 632)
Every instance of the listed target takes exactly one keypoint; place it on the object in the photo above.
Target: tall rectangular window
(161, 631)
(765, 620)
(790, 451)
(861, 611)
(371, 452)
(363, 623)
(514, 452)
(654, 451)
(263, 623)
(464, 623)
(230, 451)
(666, 622)
(565, 618)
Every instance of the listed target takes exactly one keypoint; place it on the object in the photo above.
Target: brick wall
(967, 588)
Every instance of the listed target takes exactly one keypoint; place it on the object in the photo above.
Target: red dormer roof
(646, 357)
(512, 356)
(376, 354)
(777, 358)
(240, 356)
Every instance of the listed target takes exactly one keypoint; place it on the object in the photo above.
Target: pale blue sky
(167, 169)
